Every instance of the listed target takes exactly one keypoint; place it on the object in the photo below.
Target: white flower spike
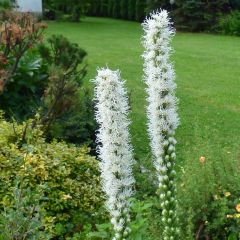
(115, 150)
(162, 111)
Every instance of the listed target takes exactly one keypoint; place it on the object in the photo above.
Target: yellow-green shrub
(68, 174)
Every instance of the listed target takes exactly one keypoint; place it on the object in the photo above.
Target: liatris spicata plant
(162, 116)
(115, 151)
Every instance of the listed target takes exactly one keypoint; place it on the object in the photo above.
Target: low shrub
(230, 24)
(72, 195)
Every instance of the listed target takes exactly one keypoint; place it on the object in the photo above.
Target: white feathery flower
(162, 114)
(115, 150)
(159, 77)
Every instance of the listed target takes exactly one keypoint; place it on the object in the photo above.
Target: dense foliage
(6, 4)
(23, 218)
(230, 24)
(125, 9)
(19, 33)
(75, 10)
(195, 15)
(191, 15)
(49, 189)
(66, 176)
(67, 111)
(44, 78)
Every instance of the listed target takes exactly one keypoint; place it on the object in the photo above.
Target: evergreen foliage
(152, 5)
(198, 15)
(124, 9)
(235, 4)
(230, 24)
(140, 10)
(110, 8)
(103, 8)
(116, 9)
(94, 10)
(131, 9)
(190, 15)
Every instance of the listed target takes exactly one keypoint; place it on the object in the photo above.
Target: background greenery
(207, 76)
(51, 188)
(191, 15)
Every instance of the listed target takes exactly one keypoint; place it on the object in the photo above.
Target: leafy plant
(103, 231)
(208, 193)
(139, 225)
(19, 32)
(6, 4)
(46, 80)
(23, 217)
(230, 24)
(61, 52)
(23, 73)
(67, 112)
(72, 197)
(22, 96)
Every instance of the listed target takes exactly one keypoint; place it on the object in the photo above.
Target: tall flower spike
(115, 151)
(161, 110)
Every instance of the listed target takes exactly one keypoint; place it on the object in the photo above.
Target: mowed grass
(208, 79)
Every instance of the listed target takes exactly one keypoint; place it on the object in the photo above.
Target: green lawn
(208, 78)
